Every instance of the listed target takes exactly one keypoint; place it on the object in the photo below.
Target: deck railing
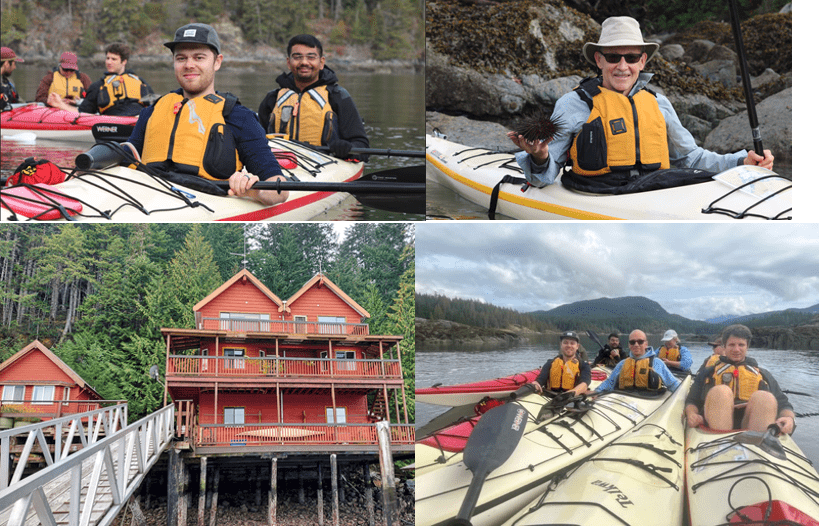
(216, 435)
(27, 410)
(286, 327)
(230, 366)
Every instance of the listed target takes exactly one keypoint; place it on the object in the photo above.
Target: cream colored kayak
(544, 449)
(726, 478)
(123, 195)
(445, 446)
(637, 480)
(474, 172)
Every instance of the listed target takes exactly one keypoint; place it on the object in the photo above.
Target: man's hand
(340, 148)
(538, 387)
(538, 150)
(241, 186)
(786, 424)
(757, 160)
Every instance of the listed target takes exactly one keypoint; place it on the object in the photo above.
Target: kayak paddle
(491, 443)
(111, 132)
(746, 79)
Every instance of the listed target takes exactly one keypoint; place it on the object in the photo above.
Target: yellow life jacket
(621, 133)
(744, 380)
(563, 375)
(639, 375)
(119, 88)
(712, 360)
(305, 116)
(190, 136)
(68, 88)
(670, 354)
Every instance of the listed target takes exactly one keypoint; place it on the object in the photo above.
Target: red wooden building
(302, 374)
(37, 383)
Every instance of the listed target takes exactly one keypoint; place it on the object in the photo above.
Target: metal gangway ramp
(88, 486)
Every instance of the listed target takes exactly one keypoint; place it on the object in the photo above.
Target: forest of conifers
(97, 295)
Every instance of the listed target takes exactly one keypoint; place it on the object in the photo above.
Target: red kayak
(52, 123)
(472, 393)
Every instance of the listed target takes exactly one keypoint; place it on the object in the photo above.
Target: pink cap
(6, 53)
(68, 60)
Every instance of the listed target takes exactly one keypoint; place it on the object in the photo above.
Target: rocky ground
(489, 65)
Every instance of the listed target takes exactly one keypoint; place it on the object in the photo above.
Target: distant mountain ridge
(813, 309)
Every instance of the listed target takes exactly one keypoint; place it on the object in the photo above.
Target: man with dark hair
(66, 80)
(310, 106)
(198, 131)
(736, 393)
(118, 92)
(611, 353)
(8, 63)
(565, 372)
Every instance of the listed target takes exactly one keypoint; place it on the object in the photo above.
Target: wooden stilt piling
(301, 485)
(334, 487)
(173, 487)
(215, 497)
(368, 495)
(271, 494)
(203, 490)
(320, 496)
(387, 474)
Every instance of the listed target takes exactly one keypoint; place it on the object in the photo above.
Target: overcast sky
(696, 270)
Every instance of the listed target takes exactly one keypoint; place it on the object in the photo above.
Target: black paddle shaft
(491, 443)
(746, 79)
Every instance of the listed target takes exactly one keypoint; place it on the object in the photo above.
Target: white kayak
(544, 449)
(638, 479)
(123, 195)
(474, 172)
(734, 478)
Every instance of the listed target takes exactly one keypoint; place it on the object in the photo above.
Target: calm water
(794, 370)
(391, 104)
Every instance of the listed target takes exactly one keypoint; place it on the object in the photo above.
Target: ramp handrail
(107, 419)
(142, 442)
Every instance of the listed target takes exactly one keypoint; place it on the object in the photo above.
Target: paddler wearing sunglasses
(642, 371)
(614, 128)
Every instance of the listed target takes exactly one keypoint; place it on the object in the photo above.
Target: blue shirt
(570, 109)
(669, 380)
(251, 142)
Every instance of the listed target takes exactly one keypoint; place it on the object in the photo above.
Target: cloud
(696, 270)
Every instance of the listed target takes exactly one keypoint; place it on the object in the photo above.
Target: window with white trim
(13, 392)
(42, 394)
(331, 324)
(343, 355)
(234, 416)
(244, 321)
(238, 363)
(301, 324)
(341, 414)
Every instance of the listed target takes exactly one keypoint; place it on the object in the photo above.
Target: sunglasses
(636, 342)
(614, 58)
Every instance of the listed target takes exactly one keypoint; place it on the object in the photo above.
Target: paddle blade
(495, 437)
(492, 442)
(111, 132)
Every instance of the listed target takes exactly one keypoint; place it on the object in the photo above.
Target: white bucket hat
(669, 335)
(619, 31)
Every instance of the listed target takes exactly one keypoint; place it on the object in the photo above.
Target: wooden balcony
(285, 327)
(26, 410)
(227, 367)
(300, 437)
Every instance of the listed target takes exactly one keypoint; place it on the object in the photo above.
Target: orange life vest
(67, 87)
(743, 380)
(639, 375)
(563, 375)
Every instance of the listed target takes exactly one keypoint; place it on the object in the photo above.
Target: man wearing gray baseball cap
(614, 128)
(196, 130)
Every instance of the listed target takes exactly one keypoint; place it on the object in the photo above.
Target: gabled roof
(37, 346)
(321, 279)
(242, 274)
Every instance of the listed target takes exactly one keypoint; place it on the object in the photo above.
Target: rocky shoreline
(477, 86)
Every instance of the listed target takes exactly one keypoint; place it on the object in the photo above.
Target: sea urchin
(539, 127)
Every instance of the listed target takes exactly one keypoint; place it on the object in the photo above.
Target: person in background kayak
(736, 393)
(197, 131)
(300, 110)
(674, 356)
(66, 80)
(565, 372)
(641, 371)
(8, 63)
(607, 145)
(719, 350)
(611, 353)
(118, 92)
